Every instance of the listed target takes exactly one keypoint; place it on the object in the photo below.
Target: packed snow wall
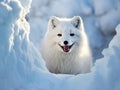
(21, 65)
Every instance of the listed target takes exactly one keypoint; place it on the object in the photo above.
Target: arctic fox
(65, 47)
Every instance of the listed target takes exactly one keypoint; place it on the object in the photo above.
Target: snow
(21, 65)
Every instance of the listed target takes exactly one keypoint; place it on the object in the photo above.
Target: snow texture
(21, 65)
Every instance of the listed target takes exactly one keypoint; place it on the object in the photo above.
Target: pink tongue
(66, 48)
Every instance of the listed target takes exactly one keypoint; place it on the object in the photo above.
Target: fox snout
(66, 42)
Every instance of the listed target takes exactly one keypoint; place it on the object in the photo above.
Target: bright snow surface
(21, 65)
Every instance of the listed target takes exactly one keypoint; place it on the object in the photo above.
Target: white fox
(65, 47)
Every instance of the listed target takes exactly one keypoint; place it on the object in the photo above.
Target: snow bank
(19, 60)
(22, 68)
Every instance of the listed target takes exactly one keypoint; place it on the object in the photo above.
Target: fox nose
(65, 42)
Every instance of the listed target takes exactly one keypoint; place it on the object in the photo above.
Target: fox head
(65, 33)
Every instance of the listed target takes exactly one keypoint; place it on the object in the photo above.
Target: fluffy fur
(65, 47)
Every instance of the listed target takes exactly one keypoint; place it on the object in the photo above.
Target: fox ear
(53, 22)
(77, 21)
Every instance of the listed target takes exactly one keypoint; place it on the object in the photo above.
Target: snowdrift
(22, 68)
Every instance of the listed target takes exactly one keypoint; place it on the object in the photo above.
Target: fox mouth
(66, 48)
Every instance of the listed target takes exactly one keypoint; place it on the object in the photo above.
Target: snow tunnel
(21, 65)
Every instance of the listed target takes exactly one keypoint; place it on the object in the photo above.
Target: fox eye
(59, 35)
(72, 34)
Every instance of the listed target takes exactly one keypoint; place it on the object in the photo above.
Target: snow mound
(22, 68)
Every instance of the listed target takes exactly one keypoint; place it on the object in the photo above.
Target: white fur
(78, 59)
